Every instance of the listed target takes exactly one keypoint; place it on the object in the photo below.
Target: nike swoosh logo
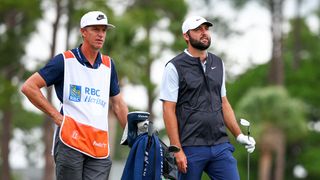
(100, 17)
(213, 67)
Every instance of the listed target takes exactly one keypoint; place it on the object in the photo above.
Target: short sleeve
(170, 84)
(53, 71)
(114, 83)
(223, 86)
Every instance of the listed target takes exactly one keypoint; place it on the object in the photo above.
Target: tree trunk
(297, 37)
(48, 123)
(10, 22)
(272, 142)
(318, 17)
(5, 139)
(70, 11)
(280, 155)
(47, 139)
(276, 74)
(265, 164)
(150, 86)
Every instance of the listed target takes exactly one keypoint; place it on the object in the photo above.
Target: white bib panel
(85, 107)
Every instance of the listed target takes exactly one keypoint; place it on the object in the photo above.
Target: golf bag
(139, 125)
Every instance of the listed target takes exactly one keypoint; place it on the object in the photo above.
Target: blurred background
(271, 50)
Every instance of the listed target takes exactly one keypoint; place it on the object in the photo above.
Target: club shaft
(248, 157)
(248, 167)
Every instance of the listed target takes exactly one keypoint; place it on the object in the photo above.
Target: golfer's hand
(249, 143)
(181, 160)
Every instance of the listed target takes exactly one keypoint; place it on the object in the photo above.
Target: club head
(244, 122)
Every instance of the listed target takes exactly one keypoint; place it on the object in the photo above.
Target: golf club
(246, 123)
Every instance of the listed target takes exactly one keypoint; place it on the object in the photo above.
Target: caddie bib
(85, 107)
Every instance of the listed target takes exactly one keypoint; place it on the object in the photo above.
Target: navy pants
(217, 161)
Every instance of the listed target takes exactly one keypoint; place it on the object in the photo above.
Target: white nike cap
(194, 22)
(95, 18)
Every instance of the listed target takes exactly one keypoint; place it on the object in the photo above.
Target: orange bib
(85, 107)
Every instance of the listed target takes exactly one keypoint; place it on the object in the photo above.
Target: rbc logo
(92, 91)
(75, 93)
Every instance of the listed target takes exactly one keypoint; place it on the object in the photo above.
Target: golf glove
(248, 142)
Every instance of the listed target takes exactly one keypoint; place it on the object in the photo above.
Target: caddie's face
(199, 38)
(94, 35)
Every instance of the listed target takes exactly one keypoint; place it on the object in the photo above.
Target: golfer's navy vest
(199, 105)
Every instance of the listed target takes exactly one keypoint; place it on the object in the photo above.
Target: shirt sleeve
(223, 86)
(114, 83)
(53, 71)
(170, 84)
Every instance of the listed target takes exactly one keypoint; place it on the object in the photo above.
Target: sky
(253, 46)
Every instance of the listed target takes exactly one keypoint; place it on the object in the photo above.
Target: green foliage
(17, 22)
(272, 106)
(132, 40)
(303, 81)
(18, 19)
(26, 120)
(309, 155)
(254, 77)
(7, 90)
(305, 153)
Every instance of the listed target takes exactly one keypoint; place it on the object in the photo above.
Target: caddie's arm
(120, 109)
(31, 89)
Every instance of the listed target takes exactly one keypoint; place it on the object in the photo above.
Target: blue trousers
(217, 161)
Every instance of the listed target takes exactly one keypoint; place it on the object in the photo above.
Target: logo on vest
(75, 93)
(93, 96)
(100, 145)
(75, 134)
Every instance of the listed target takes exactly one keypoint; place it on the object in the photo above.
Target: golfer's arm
(229, 117)
(120, 109)
(171, 123)
(31, 89)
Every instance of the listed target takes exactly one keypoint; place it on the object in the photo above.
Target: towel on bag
(145, 160)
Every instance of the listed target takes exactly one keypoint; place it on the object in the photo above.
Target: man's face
(94, 35)
(199, 37)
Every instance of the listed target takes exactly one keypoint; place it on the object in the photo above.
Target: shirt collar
(187, 52)
(83, 60)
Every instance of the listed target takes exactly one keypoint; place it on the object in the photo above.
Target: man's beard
(198, 44)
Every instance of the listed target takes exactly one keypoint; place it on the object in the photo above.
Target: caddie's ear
(82, 32)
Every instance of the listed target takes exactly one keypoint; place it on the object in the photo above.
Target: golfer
(85, 82)
(196, 110)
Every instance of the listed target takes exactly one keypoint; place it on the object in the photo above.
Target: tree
(48, 127)
(298, 83)
(137, 52)
(276, 71)
(298, 78)
(17, 20)
(278, 118)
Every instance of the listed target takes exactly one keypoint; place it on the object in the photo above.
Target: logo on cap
(101, 16)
